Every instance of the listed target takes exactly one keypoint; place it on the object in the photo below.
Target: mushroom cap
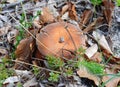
(60, 39)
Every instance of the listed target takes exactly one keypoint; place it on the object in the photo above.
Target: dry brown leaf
(108, 9)
(11, 1)
(64, 9)
(112, 58)
(36, 23)
(92, 26)
(91, 51)
(82, 72)
(46, 16)
(105, 47)
(4, 30)
(102, 42)
(33, 31)
(3, 52)
(113, 82)
(72, 11)
(86, 15)
(23, 52)
(23, 49)
(12, 35)
(60, 38)
(96, 57)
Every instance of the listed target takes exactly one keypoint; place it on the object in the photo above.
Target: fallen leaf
(111, 57)
(4, 30)
(46, 16)
(102, 42)
(85, 17)
(31, 83)
(11, 36)
(10, 81)
(83, 72)
(11, 1)
(112, 80)
(51, 5)
(36, 22)
(65, 16)
(64, 9)
(92, 26)
(114, 67)
(91, 51)
(4, 18)
(24, 74)
(72, 11)
(23, 49)
(3, 52)
(96, 57)
(108, 9)
(23, 52)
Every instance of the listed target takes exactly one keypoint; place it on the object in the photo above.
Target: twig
(6, 6)
(17, 61)
(31, 9)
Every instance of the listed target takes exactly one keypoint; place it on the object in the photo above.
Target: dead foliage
(108, 10)
(62, 36)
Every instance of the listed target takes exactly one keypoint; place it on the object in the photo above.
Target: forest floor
(59, 43)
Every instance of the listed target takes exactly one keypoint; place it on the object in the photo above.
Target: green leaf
(118, 2)
(96, 2)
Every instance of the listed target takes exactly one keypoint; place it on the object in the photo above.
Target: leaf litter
(75, 25)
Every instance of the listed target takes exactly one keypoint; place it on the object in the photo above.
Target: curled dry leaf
(105, 47)
(108, 9)
(51, 5)
(82, 72)
(23, 52)
(65, 16)
(91, 51)
(64, 9)
(4, 30)
(11, 35)
(46, 16)
(23, 49)
(72, 11)
(112, 80)
(96, 57)
(11, 1)
(86, 15)
(60, 39)
(102, 42)
(36, 23)
(3, 52)
(112, 58)
(92, 26)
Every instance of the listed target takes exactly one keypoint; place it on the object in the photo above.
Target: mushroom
(60, 39)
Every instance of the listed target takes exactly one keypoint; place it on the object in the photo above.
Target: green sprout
(92, 67)
(54, 62)
(96, 2)
(53, 77)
